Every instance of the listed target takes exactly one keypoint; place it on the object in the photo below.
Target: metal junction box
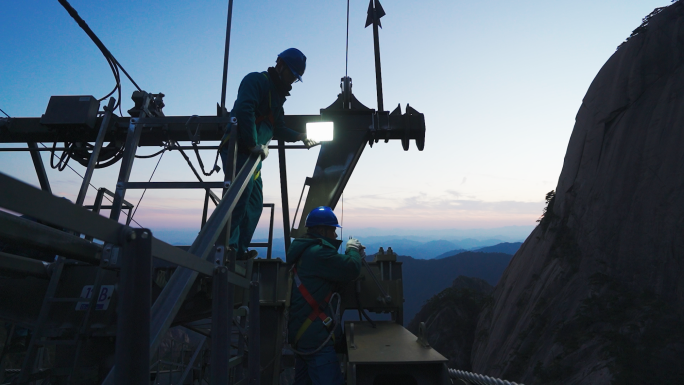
(71, 111)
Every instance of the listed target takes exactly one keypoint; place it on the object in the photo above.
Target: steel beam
(132, 139)
(157, 130)
(26, 199)
(26, 233)
(40, 167)
(23, 266)
(96, 152)
(172, 185)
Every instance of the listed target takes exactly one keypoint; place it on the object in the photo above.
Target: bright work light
(320, 131)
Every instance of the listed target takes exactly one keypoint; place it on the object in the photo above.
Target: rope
(479, 379)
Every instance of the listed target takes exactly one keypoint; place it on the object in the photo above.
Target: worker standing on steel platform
(318, 271)
(259, 113)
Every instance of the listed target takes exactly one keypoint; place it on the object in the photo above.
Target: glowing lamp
(320, 131)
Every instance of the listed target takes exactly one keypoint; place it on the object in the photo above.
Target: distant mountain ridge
(425, 278)
(505, 247)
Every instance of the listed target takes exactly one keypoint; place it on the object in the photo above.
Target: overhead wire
(148, 181)
(5, 114)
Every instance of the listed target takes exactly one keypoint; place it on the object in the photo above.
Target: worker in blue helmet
(259, 113)
(318, 273)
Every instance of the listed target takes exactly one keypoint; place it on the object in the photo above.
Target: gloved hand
(261, 150)
(355, 244)
(308, 142)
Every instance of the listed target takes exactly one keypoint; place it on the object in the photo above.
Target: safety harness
(317, 311)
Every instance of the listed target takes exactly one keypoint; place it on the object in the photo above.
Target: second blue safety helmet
(295, 60)
(322, 216)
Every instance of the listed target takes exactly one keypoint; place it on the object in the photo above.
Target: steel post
(270, 233)
(132, 139)
(221, 321)
(226, 53)
(40, 167)
(378, 71)
(283, 193)
(254, 359)
(96, 152)
(205, 209)
(132, 357)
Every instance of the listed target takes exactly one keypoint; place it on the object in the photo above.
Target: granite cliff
(595, 294)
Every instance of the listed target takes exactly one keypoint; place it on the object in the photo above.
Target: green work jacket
(321, 270)
(259, 96)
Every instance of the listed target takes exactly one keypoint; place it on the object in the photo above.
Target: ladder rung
(69, 299)
(56, 342)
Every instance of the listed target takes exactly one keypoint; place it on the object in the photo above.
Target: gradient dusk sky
(499, 83)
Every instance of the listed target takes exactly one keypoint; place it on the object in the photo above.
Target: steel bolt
(132, 236)
(144, 235)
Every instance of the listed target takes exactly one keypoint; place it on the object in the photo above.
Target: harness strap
(317, 309)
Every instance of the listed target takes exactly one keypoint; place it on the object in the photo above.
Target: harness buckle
(328, 323)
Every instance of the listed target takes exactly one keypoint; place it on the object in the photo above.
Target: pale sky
(499, 82)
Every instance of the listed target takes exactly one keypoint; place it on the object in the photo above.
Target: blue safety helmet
(295, 60)
(322, 216)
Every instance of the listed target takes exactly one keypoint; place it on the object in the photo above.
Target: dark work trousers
(322, 368)
(248, 208)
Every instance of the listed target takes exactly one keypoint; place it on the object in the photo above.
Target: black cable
(111, 60)
(362, 310)
(194, 170)
(108, 155)
(151, 155)
(199, 160)
(5, 114)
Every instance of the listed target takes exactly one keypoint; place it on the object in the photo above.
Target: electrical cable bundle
(81, 151)
(111, 60)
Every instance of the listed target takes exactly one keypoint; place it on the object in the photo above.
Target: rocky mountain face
(451, 318)
(595, 295)
(425, 278)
